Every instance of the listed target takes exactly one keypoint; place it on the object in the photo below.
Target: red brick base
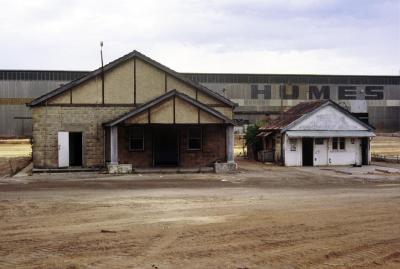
(212, 149)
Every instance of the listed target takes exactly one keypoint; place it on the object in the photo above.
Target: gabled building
(317, 133)
(134, 111)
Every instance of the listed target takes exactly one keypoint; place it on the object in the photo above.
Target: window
(293, 144)
(267, 91)
(342, 143)
(338, 143)
(194, 138)
(136, 139)
(319, 141)
(335, 143)
(254, 91)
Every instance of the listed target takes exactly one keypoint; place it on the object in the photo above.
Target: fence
(385, 158)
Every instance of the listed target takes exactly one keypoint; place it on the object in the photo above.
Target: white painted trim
(229, 144)
(114, 144)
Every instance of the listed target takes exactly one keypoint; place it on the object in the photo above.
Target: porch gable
(171, 108)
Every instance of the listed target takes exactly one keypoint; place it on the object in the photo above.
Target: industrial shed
(134, 112)
(317, 133)
(372, 98)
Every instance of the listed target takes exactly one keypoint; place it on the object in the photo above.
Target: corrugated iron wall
(258, 95)
(18, 87)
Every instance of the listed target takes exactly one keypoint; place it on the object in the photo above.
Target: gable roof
(292, 114)
(111, 65)
(165, 97)
(302, 111)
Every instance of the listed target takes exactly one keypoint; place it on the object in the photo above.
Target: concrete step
(172, 170)
(65, 170)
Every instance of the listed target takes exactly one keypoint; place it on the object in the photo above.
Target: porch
(172, 130)
(169, 145)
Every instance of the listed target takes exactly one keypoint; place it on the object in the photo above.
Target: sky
(225, 36)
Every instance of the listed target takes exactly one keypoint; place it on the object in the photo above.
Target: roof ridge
(300, 110)
(116, 62)
(294, 113)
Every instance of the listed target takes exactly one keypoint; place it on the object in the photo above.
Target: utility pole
(102, 72)
(281, 92)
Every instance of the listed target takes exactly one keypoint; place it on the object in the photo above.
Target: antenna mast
(102, 71)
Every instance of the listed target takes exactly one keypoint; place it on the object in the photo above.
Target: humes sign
(321, 92)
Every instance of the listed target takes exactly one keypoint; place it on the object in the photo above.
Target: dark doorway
(165, 147)
(75, 149)
(364, 150)
(308, 151)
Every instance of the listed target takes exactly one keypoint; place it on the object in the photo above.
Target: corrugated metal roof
(330, 133)
(291, 78)
(264, 134)
(293, 114)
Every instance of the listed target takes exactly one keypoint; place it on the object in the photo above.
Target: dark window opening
(194, 138)
(267, 91)
(342, 143)
(334, 143)
(136, 139)
(254, 91)
(338, 143)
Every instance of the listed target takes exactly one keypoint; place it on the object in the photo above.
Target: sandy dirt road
(263, 217)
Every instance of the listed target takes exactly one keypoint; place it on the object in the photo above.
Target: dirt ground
(262, 217)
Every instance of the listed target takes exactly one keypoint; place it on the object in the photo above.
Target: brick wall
(213, 147)
(48, 121)
(136, 158)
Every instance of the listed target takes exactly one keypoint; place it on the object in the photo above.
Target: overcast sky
(251, 36)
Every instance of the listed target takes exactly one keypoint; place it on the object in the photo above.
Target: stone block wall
(49, 120)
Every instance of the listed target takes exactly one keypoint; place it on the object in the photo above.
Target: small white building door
(63, 149)
(321, 151)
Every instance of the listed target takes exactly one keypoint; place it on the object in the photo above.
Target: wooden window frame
(200, 138)
(339, 141)
(130, 138)
(342, 139)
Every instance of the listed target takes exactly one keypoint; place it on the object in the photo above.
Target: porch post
(114, 144)
(229, 144)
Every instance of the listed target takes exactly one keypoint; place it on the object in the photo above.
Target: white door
(320, 151)
(63, 149)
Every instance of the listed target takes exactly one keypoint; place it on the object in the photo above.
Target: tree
(253, 142)
(251, 134)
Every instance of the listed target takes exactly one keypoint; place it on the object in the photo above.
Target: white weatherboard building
(317, 133)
